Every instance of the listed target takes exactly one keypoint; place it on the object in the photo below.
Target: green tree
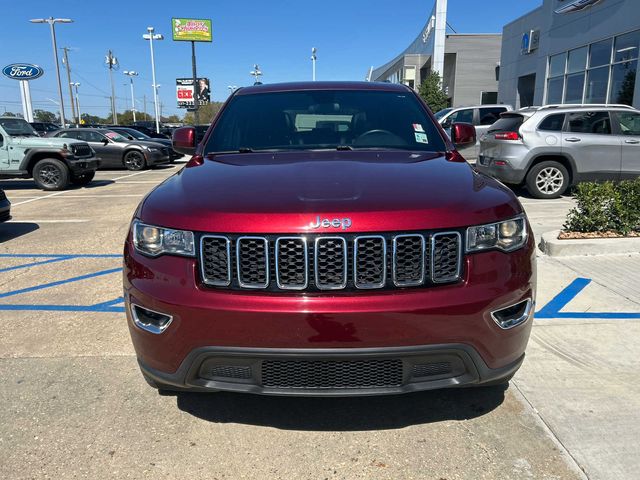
(171, 119)
(9, 114)
(207, 112)
(93, 119)
(45, 116)
(432, 93)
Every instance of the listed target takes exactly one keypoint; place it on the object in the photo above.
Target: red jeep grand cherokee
(328, 239)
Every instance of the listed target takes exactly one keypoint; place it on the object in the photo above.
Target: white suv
(550, 148)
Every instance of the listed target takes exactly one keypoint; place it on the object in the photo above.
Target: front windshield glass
(17, 126)
(116, 137)
(441, 113)
(325, 119)
(136, 134)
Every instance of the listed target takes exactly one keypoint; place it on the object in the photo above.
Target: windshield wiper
(344, 147)
(245, 150)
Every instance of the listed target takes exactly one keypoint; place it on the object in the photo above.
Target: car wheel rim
(49, 175)
(549, 180)
(134, 161)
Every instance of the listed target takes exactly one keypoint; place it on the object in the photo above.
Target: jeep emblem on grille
(343, 223)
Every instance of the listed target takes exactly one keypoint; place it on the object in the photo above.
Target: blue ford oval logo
(22, 71)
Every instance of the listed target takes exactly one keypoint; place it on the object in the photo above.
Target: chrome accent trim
(146, 326)
(204, 277)
(315, 264)
(433, 254)
(394, 263)
(306, 264)
(366, 286)
(266, 257)
(528, 312)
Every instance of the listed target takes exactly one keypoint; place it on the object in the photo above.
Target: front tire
(83, 179)
(51, 174)
(547, 179)
(134, 161)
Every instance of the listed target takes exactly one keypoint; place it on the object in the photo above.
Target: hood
(164, 141)
(31, 142)
(145, 143)
(288, 192)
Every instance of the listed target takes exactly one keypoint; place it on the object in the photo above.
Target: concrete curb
(552, 246)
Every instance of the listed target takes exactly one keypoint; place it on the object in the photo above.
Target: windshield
(17, 126)
(324, 119)
(135, 133)
(116, 137)
(442, 113)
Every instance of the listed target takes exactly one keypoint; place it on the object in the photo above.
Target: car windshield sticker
(421, 137)
(417, 127)
(111, 135)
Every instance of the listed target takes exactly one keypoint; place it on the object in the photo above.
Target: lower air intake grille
(431, 369)
(321, 374)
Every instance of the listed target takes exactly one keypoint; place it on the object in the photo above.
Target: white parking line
(106, 195)
(22, 220)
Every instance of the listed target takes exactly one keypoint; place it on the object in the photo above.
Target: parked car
(52, 163)
(548, 149)
(116, 151)
(44, 127)
(480, 116)
(5, 207)
(147, 130)
(133, 134)
(326, 238)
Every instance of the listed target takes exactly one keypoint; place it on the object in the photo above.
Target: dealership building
(467, 63)
(572, 51)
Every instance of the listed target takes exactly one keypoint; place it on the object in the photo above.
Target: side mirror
(463, 134)
(105, 141)
(446, 124)
(184, 140)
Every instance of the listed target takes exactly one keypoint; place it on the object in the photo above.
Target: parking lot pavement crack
(573, 462)
(635, 301)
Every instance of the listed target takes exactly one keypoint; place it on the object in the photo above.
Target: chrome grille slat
(330, 263)
(349, 262)
(292, 263)
(252, 261)
(446, 257)
(408, 260)
(369, 261)
(215, 260)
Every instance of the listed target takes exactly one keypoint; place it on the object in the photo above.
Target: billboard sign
(22, 71)
(191, 29)
(185, 94)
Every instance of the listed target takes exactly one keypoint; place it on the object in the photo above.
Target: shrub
(606, 207)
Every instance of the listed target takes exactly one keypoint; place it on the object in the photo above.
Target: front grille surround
(81, 149)
(330, 263)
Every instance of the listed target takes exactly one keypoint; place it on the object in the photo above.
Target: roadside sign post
(24, 72)
(193, 30)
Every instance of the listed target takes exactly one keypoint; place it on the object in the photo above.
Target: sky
(350, 35)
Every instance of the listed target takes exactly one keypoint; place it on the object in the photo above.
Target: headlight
(155, 241)
(506, 236)
(152, 149)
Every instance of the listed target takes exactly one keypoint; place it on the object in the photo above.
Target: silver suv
(480, 116)
(550, 148)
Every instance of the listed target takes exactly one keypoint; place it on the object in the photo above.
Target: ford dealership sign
(22, 71)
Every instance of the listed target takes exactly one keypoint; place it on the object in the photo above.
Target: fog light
(514, 315)
(149, 320)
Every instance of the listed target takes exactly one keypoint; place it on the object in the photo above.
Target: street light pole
(256, 73)
(131, 74)
(151, 37)
(52, 21)
(112, 62)
(76, 85)
(313, 62)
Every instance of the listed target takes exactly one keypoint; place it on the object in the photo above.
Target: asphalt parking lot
(76, 406)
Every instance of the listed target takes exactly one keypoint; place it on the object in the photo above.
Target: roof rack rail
(584, 105)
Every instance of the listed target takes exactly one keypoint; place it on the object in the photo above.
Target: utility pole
(196, 114)
(151, 37)
(112, 62)
(314, 57)
(131, 74)
(65, 60)
(76, 85)
(144, 97)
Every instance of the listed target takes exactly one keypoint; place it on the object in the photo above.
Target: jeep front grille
(81, 149)
(323, 263)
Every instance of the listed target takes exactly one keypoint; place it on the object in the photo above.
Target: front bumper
(5, 208)
(451, 320)
(156, 158)
(80, 166)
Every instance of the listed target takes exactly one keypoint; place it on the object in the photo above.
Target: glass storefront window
(575, 88)
(600, 54)
(577, 60)
(557, 64)
(627, 47)
(554, 90)
(623, 82)
(597, 81)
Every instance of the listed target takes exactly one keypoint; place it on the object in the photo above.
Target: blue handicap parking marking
(113, 305)
(571, 291)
